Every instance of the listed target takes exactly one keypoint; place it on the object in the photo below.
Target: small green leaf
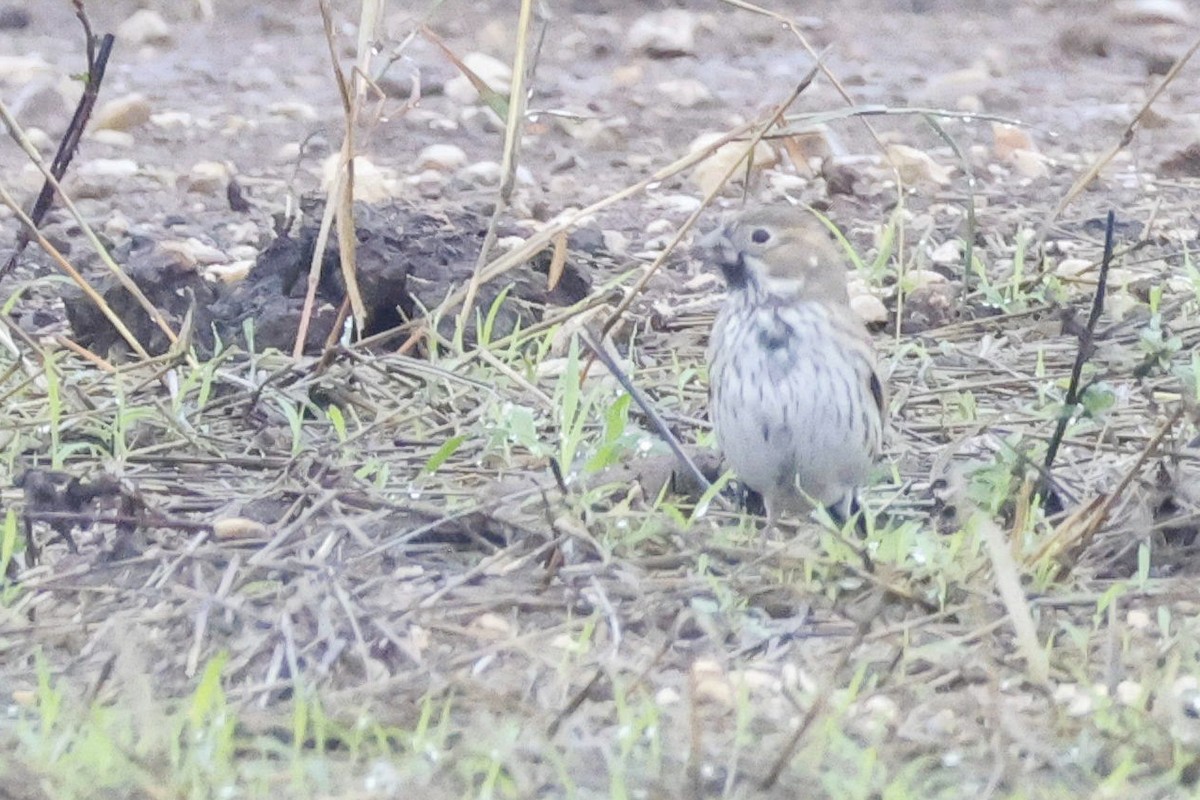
(1097, 399)
(489, 323)
(337, 421)
(8, 540)
(444, 452)
(208, 697)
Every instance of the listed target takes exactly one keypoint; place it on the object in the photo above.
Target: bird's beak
(712, 239)
(720, 250)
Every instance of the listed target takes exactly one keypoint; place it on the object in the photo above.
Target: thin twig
(1086, 346)
(513, 130)
(339, 203)
(656, 421)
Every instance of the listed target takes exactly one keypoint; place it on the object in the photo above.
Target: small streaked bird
(795, 398)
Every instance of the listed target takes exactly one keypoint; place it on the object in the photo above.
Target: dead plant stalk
(339, 205)
(513, 128)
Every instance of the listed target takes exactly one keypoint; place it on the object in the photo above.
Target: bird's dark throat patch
(735, 272)
(775, 340)
(776, 337)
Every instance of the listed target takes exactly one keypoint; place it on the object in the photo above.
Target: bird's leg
(772, 518)
(846, 509)
(842, 512)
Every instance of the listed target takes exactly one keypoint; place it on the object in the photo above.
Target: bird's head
(784, 252)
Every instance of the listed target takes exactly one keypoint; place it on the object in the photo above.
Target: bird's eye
(760, 236)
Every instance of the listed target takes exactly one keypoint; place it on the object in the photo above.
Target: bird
(795, 397)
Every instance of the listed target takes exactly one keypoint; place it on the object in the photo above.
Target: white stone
(615, 242)
(785, 182)
(948, 252)
(429, 183)
(144, 27)
(1153, 12)
(665, 34)
(208, 177)
(444, 157)
(1138, 619)
(198, 251)
(384, 780)
(243, 252)
(492, 71)
(232, 272)
(708, 173)
(98, 178)
(666, 696)
(1007, 138)
(507, 243)
(29, 179)
(869, 308)
(1129, 693)
(123, 113)
(685, 92)
(882, 708)
(916, 166)
(856, 285)
(1029, 164)
(287, 152)
(479, 119)
(483, 173)
(371, 184)
(659, 227)
(917, 278)
(40, 140)
(173, 119)
(21, 70)
(1073, 267)
(117, 139)
(1078, 700)
(609, 132)
(108, 168)
(293, 109)
(489, 625)
(117, 225)
(677, 203)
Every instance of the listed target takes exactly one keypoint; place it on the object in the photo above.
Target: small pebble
(116, 139)
(123, 113)
(492, 71)
(144, 27)
(444, 157)
(208, 177)
(665, 34)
